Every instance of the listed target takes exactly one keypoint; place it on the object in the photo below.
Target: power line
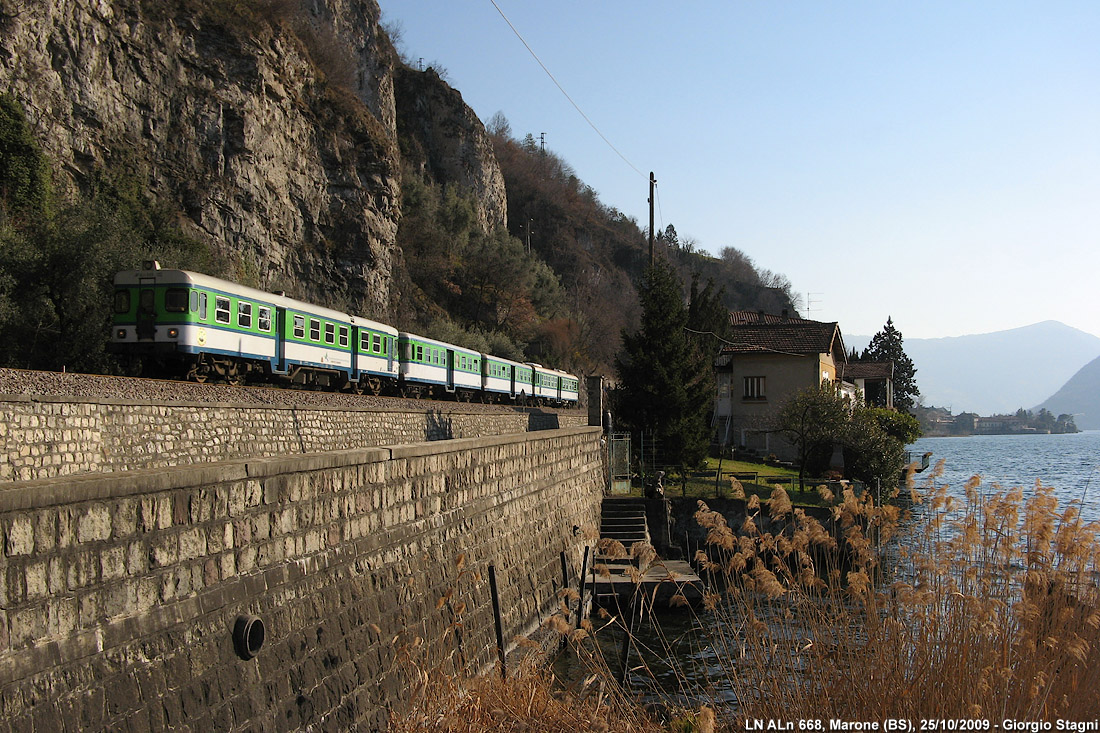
(562, 89)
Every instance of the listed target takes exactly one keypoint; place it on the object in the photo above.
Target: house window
(754, 388)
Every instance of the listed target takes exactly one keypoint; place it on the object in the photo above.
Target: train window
(202, 305)
(193, 306)
(175, 300)
(264, 318)
(364, 341)
(376, 345)
(299, 326)
(122, 301)
(419, 353)
(314, 329)
(344, 336)
(147, 302)
(244, 314)
(330, 333)
(221, 309)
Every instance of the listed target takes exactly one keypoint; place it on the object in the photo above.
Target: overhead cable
(562, 89)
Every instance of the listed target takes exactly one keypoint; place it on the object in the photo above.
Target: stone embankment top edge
(273, 466)
(428, 408)
(414, 450)
(41, 493)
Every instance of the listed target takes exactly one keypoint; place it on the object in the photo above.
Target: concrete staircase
(622, 519)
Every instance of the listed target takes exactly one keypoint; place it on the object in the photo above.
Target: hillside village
(939, 421)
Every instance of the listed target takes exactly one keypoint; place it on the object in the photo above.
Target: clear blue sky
(938, 162)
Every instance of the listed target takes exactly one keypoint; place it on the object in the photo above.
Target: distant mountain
(1080, 397)
(998, 372)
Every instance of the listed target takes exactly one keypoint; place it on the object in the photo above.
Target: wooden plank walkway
(659, 583)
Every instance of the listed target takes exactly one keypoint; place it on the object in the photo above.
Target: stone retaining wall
(44, 437)
(120, 591)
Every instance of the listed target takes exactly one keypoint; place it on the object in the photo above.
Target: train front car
(172, 319)
(200, 327)
(430, 367)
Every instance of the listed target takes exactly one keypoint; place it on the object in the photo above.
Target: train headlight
(173, 333)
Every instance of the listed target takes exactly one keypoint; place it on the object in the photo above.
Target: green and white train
(206, 328)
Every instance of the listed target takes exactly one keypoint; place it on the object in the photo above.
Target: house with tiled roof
(873, 379)
(767, 360)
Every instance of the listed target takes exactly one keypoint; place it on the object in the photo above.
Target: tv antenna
(811, 304)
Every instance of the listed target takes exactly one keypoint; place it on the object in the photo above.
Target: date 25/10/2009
(932, 725)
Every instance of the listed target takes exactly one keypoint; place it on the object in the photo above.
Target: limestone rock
(443, 136)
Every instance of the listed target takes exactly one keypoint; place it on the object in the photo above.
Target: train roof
(548, 370)
(437, 342)
(186, 277)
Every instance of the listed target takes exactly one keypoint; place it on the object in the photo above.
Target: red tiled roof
(740, 318)
(792, 336)
(869, 370)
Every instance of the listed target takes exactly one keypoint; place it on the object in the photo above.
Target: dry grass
(984, 606)
(528, 701)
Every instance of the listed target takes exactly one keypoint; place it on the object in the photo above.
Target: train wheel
(374, 384)
(199, 373)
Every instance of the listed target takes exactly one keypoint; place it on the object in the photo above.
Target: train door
(147, 311)
(356, 341)
(450, 369)
(512, 380)
(280, 340)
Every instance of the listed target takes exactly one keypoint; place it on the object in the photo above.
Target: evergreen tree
(665, 378)
(887, 346)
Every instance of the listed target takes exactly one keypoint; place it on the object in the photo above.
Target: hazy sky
(938, 162)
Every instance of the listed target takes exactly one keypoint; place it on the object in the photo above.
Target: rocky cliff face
(273, 126)
(443, 138)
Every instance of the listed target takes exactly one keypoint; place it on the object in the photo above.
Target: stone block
(93, 523)
(113, 562)
(192, 543)
(26, 625)
(19, 536)
(35, 575)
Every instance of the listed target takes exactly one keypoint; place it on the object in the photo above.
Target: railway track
(101, 386)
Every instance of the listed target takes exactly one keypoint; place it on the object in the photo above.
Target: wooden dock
(615, 585)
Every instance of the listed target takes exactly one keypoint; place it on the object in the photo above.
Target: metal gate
(619, 461)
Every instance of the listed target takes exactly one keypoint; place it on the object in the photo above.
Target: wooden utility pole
(652, 184)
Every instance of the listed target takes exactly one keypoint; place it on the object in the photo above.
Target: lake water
(1068, 463)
